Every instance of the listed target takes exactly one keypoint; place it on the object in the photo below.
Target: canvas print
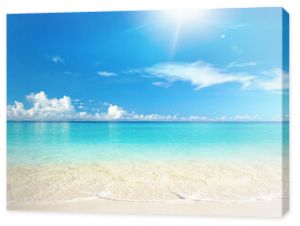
(177, 112)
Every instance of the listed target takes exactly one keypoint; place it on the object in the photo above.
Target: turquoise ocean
(63, 142)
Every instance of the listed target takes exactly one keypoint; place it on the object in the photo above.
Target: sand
(191, 187)
(253, 209)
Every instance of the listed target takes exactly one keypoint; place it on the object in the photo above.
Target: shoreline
(172, 188)
(270, 208)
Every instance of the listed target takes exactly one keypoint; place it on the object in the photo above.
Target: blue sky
(203, 64)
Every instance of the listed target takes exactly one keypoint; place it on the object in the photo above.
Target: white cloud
(57, 59)
(246, 117)
(115, 112)
(161, 84)
(155, 117)
(61, 109)
(199, 74)
(42, 108)
(198, 118)
(202, 75)
(16, 110)
(241, 117)
(51, 109)
(106, 73)
(273, 80)
(236, 64)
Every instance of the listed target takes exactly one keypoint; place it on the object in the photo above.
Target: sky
(202, 65)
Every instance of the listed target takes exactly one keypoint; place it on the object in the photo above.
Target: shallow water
(145, 162)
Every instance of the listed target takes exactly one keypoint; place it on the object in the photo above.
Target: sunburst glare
(185, 20)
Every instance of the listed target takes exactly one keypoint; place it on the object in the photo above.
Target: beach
(116, 180)
(192, 188)
(252, 209)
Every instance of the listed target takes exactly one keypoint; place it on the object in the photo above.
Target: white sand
(256, 209)
(195, 187)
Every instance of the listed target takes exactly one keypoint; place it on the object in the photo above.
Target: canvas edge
(285, 110)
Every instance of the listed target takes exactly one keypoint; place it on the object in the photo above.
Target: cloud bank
(44, 108)
(58, 109)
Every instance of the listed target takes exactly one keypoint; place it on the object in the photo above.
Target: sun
(184, 20)
(185, 16)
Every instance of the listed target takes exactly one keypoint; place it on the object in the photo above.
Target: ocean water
(38, 142)
(145, 161)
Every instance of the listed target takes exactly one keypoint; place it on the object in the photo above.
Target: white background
(31, 218)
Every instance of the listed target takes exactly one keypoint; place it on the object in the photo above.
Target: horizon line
(157, 121)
